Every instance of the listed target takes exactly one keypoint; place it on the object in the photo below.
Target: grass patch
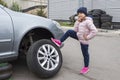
(68, 24)
(10, 79)
(3, 64)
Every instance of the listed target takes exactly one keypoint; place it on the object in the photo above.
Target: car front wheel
(44, 58)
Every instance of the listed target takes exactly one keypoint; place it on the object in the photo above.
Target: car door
(6, 32)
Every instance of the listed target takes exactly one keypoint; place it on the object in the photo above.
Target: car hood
(24, 18)
(25, 15)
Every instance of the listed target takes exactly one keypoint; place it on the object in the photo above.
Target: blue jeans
(85, 53)
(69, 33)
(84, 47)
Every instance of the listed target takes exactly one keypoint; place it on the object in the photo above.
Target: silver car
(29, 35)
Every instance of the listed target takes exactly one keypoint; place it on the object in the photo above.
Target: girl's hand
(85, 37)
(79, 20)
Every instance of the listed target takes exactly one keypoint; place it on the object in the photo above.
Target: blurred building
(63, 9)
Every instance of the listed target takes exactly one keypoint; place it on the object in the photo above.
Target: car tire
(90, 12)
(97, 12)
(106, 25)
(97, 25)
(5, 71)
(5, 76)
(43, 62)
(6, 67)
(96, 21)
(115, 26)
(106, 18)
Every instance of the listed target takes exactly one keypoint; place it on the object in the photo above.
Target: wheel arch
(37, 30)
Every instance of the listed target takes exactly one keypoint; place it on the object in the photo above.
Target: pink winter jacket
(85, 27)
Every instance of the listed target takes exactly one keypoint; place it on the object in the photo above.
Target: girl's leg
(85, 53)
(69, 33)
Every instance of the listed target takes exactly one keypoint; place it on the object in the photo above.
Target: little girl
(84, 30)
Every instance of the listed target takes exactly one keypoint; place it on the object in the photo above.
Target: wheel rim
(48, 57)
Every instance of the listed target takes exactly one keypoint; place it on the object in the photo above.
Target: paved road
(104, 61)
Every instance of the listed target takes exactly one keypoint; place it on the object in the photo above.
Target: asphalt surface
(104, 60)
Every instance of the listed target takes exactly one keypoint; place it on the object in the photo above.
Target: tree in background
(15, 7)
(41, 13)
(3, 3)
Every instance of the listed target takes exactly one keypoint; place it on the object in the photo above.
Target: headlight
(57, 24)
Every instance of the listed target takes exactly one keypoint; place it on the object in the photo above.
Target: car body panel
(18, 24)
(6, 32)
